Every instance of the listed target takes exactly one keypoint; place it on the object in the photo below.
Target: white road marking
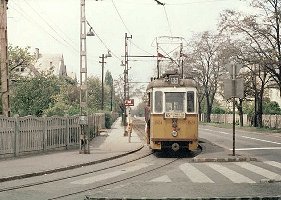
(225, 133)
(194, 174)
(273, 163)
(258, 170)
(113, 174)
(230, 174)
(251, 138)
(163, 179)
(257, 148)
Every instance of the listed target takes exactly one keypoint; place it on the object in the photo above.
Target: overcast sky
(53, 26)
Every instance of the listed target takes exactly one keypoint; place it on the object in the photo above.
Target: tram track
(73, 176)
(114, 182)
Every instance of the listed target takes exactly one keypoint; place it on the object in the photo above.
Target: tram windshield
(174, 101)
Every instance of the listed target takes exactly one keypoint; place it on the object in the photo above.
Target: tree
(94, 94)
(66, 101)
(109, 97)
(20, 59)
(32, 95)
(261, 34)
(206, 62)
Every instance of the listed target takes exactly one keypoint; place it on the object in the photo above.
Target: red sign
(129, 102)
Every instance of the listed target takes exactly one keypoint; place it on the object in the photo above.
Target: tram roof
(163, 82)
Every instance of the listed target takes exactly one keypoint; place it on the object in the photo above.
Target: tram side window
(158, 101)
(190, 101)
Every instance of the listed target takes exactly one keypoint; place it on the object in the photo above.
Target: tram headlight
(174, 133)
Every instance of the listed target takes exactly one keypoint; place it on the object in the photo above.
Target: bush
(108, 120)
(218, 110)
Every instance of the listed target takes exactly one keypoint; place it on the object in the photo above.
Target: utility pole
(126, 82)
(102, 84)
(4, 60)
(181, 60)
(111, 97)
(158, 60)
(102, 76)
(84, 140)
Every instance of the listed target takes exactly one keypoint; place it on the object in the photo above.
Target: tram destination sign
(174, 115)
(129, 102)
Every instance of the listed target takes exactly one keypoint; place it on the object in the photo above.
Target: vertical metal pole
(111, 97)
(84, 141)
(4, 60)
(256, 96)
(181, 60)
(233, 104)
(126, 82)
(158, 60)
(102, 84)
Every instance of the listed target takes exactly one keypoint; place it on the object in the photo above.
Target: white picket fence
(20, 135)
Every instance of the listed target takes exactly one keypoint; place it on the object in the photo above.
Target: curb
(28, 175)
(211, 198)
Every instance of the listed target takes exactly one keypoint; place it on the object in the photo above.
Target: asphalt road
(266, 146)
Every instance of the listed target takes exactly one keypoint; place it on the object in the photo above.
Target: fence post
(45, 133)
(17, 133)
(67, 132)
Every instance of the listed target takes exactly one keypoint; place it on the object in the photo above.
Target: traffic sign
(238, 90)
(232, 67)
(129, 102)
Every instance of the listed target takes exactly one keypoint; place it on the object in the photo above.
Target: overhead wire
(116, 9)
(103, 43)
(50, 26)
(126, 27)
(28, 18)
(194, 2)
(62, 31)
(167, 18)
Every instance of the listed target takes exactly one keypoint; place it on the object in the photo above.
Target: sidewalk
(108, 145)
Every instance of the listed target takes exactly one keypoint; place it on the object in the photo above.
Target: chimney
(37, 55)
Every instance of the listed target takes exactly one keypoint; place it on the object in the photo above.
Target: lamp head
(91, 32)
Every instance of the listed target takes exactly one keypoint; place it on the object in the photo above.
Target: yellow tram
(172, 113)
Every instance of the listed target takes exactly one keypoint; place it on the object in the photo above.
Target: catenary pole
(84, 140)
(102, 80)
(126, 82)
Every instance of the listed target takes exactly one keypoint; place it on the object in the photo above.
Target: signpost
(233, 88)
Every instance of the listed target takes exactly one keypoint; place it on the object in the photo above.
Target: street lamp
(83, 121)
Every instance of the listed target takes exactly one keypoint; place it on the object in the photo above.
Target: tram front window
(174, 101)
